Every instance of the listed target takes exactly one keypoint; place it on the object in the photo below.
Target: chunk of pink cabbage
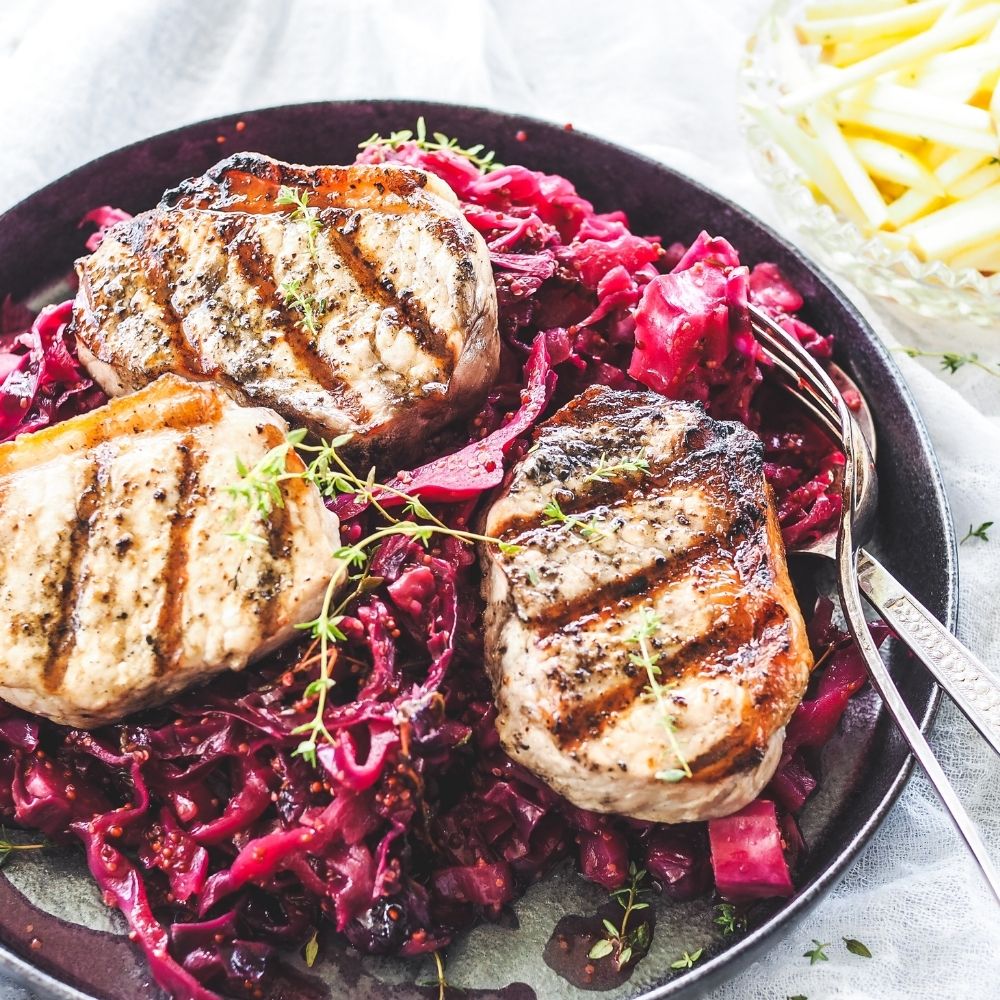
(815, 719)
(483, 884)
(677, 859)
(604, 857)
(792, 784)
(692, 333)
(747, 854)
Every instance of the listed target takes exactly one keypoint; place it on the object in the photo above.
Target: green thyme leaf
(855, 947)
(729, 919)
(643, 935)
(414, 507)
(687, 960)
(601, 949)
(816, 953)
(307, 751)
(313, 688)
(672, 775)
(312, 950)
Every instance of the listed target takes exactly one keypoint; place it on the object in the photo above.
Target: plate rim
(739, 953)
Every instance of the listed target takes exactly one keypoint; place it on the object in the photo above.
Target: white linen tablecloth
(79, 79)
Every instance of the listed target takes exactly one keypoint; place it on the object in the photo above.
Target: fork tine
(780, 342)
(788, 366)
(815, 404)
(793, 365)
(797, 362)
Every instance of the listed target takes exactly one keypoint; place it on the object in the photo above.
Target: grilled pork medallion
(348, 299)
(122, 587)
(647, 628)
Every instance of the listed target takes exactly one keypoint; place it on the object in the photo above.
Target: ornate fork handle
(971, 685)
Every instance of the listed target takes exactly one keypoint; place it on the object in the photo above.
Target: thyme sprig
(622, 940)
(729, 920)
(298, 201)
(687, 960)
(259, 490)
(7, 846)
(308, 306)
(485, 161)
(818, 952)
(357, 555)
(603, 472)
(606, 471)
(952, 361)
(642, 636)
(439, 980)
(554, 514)
(981, 532)
(325, 628)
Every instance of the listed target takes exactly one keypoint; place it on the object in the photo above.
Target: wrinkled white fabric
(79, 79)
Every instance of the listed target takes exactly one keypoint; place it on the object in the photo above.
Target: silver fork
(807, 381)
(969, 683)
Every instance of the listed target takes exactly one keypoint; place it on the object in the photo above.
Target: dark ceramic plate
(56, 935)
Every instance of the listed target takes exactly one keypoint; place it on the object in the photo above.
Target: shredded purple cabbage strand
(221, 847)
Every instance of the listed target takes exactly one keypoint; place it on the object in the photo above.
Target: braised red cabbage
(41, 382)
